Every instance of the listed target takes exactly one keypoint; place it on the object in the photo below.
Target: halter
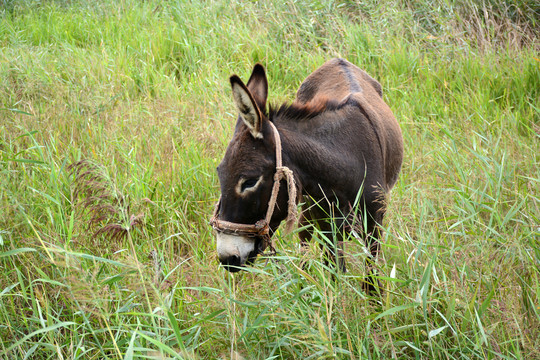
(262, 227)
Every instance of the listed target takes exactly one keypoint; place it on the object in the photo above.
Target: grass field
(114, 115)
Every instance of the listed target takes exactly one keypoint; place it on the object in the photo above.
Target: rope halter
(262, 227)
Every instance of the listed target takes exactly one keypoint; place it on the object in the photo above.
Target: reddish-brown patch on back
(300, 110)
(316, 105)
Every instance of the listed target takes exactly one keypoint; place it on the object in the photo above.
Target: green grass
(139, 90)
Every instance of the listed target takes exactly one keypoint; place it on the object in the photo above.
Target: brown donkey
(337, 148)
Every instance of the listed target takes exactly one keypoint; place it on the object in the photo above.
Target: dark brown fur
(339, 137)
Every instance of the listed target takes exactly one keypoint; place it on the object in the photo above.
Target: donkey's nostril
(234, 260)
(232, 263)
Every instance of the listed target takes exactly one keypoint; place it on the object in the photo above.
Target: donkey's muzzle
(235, 251)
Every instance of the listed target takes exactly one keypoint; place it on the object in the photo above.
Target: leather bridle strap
(262, 227)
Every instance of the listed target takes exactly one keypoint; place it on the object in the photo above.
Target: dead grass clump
(108, 212)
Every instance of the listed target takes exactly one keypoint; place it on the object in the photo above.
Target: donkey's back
(335, 80)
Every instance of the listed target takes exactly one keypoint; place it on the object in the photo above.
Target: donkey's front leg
(372, 284)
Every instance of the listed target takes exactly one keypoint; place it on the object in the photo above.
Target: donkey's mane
(298, 111)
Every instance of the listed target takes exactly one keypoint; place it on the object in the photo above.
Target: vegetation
(114, 115)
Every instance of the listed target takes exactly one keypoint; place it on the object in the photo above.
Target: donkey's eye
(249, 183)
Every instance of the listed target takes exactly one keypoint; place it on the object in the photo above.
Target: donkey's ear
(247, 106)
(258, 85)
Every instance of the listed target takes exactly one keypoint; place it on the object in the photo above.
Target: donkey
(337, 146)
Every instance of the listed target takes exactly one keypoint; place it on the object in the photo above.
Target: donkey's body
(338, 138)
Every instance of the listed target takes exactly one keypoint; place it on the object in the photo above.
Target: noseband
(262, 227)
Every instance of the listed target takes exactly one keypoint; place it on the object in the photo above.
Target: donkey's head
(246, 176)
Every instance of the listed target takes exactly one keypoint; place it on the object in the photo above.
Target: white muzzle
(229, 246)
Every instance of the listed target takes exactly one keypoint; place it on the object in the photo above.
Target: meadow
(115, 114)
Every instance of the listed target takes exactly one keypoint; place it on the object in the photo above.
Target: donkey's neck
(317, 166)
